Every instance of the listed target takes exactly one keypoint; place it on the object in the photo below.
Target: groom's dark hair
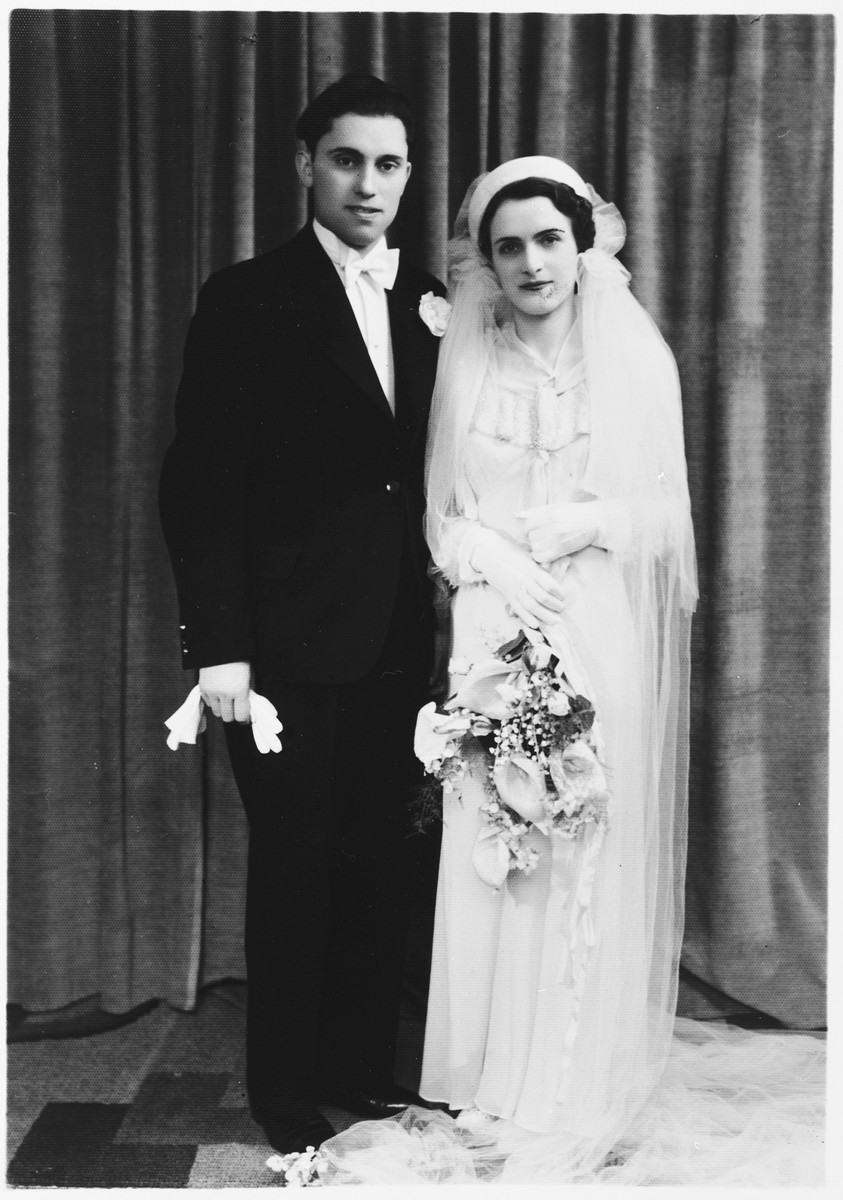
(365, 95)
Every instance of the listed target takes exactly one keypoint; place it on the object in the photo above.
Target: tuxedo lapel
(323, 311)
(412, 354)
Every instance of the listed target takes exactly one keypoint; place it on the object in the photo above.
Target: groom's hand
(225, 689)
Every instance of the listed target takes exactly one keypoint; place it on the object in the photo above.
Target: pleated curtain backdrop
(150, 148)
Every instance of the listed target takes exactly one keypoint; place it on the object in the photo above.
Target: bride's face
(534, 254)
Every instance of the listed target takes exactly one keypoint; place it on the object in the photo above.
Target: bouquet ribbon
(188, 721)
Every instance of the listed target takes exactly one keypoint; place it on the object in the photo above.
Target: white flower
(558, 704)
(490, 857)
(577, 775)
(479, 693)
(541, 653)
(434, 311)
(520, 784)
(437, 735)
(430, 745)
(459, 666)
(455, 722)
(508, 693)
(299, 1169)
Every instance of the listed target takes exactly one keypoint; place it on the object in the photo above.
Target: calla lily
(577, 774)
(479, 691)
(431, 744)
(459, 666)
(490, 858)
(457, 722)
(520, 784)
(539, 654)
(542, 654)
(481, 726)
(509, 694)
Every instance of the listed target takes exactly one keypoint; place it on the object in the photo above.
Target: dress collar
(568, 360)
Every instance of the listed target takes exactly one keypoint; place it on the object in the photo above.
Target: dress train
(733, 1107)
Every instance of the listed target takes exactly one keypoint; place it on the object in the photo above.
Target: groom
(292, 502)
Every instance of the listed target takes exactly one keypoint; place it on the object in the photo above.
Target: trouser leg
(371, 872)
(287, 798)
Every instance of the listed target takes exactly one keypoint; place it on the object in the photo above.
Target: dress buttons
(393, 487)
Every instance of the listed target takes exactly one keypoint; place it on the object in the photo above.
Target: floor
(157, 1103)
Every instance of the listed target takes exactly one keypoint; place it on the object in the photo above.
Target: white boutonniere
(434, 311)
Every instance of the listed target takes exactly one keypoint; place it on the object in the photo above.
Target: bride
(558, 503)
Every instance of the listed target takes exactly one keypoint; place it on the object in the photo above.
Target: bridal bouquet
(539, 738)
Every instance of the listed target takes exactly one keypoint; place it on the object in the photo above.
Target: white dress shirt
(367, 297)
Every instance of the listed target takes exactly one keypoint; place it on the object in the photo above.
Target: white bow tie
(381, 266)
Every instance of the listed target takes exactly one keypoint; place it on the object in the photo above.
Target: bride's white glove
(554, 530)
(533, 595)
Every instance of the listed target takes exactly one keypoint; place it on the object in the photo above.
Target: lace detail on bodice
(540, 418)
(530, 404)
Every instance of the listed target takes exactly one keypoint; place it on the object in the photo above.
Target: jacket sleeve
(202, 491)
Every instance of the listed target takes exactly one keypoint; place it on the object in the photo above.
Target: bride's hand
(554, 530)
(533, 595)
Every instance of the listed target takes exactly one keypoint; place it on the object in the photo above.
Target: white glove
(265, 724)
(532, 594)
(225, 690)
(188, 721)
(554, 530)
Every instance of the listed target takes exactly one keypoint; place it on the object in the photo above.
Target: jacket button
(393, 487)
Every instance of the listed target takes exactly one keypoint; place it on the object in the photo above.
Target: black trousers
(330, 869)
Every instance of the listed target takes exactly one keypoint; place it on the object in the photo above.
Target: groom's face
(358, 175)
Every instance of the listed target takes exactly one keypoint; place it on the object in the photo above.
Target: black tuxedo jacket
(291, 492)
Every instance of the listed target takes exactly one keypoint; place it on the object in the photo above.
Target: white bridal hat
(536, 166)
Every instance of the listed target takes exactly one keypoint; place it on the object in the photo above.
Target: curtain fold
(755, 888)
(148, 149)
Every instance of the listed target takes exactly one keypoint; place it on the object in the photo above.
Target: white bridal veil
(648, 1099)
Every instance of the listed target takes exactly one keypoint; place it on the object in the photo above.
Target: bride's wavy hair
(563, 198)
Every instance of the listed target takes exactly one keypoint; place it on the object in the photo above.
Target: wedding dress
(552, 999)
(527, 979)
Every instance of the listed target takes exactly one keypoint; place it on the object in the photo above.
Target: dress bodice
(528, 441)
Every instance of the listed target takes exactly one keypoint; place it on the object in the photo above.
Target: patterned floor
(159, 1103)
(156, 1103)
